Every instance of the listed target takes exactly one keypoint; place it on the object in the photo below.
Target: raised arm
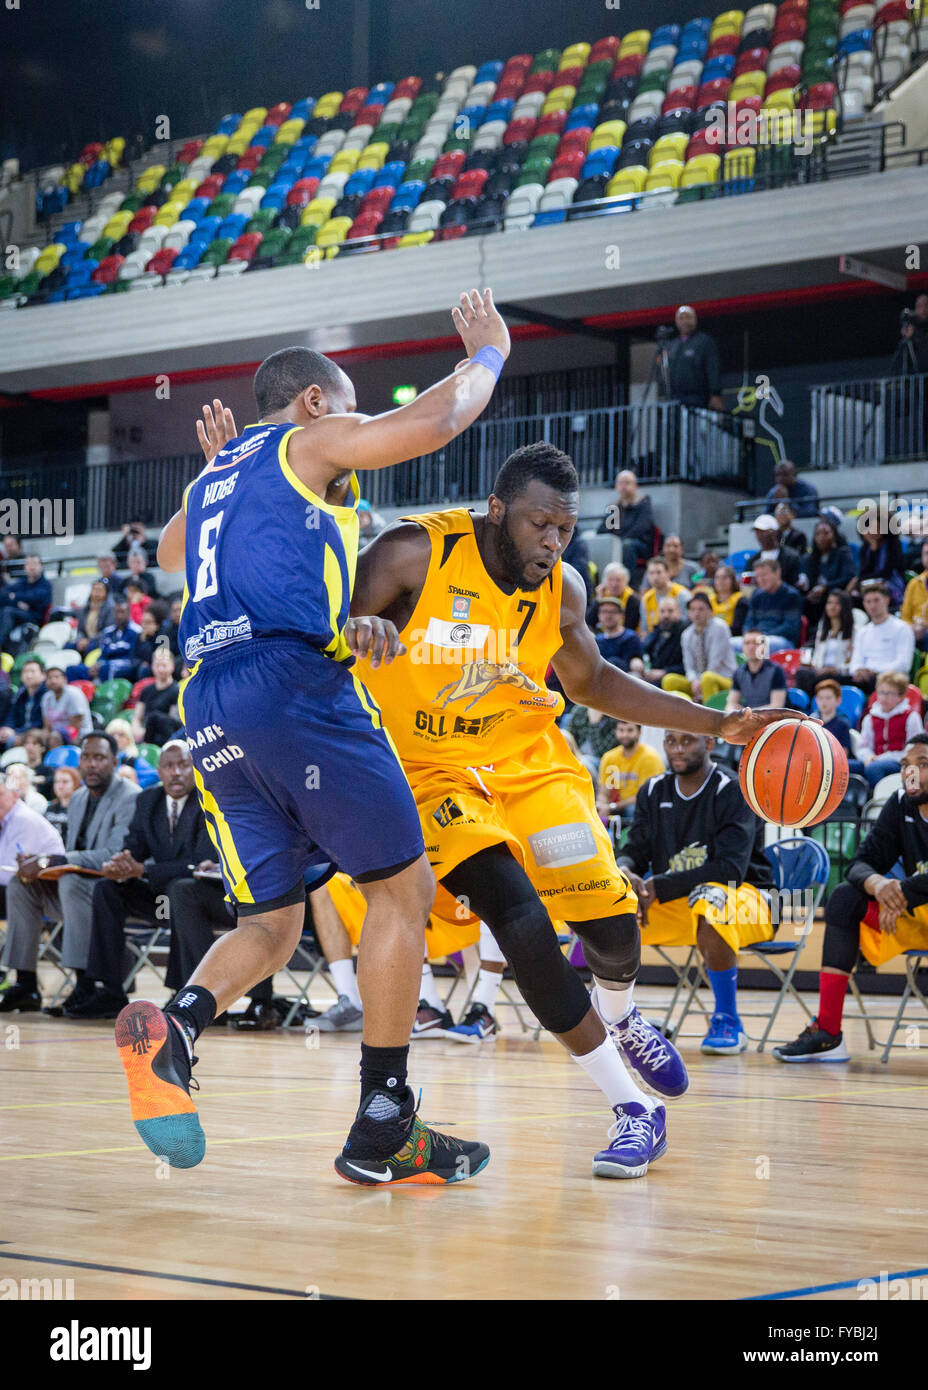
(589, 680)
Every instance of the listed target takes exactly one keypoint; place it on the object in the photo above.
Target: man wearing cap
(693, 376)
(767, 534)
(64, 706)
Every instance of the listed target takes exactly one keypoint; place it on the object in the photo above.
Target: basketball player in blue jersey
(289, 749)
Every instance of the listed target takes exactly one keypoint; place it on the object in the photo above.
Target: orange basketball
(793, 773)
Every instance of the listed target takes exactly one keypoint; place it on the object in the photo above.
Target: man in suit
(166, 836)
(99, 813)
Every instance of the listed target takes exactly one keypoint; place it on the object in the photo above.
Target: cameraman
(911, 355)
(133, 534)
(690, 363)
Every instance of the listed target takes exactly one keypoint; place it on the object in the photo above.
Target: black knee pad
(612, 946)
(551, 987)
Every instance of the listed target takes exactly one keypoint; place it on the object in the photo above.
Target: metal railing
(871, 421)
(108, 494)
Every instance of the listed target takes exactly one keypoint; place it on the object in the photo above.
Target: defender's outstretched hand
(741, 725)
(374, 637)
(215, 429)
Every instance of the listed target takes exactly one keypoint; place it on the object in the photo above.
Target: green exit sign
(402, 395)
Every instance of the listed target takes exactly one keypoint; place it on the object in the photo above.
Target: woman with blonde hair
(122, 733)
(727, 600)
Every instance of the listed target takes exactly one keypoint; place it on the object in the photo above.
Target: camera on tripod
(664, 331)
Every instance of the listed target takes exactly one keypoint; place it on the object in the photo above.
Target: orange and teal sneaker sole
(162, 1110)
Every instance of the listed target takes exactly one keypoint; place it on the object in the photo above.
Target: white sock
(613, 1001)
(345, 980)
(605, 1066)
(428, 990)
(485, 991)
(470, 959)
(489, 950)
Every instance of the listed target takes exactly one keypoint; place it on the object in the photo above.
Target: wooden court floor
(777, 1179)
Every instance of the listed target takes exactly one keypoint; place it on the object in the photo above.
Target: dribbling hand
(741, 725)
(479, 323)
(215, 429)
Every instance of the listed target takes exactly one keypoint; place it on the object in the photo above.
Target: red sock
(832, 989)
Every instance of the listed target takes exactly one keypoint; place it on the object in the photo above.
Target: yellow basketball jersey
(470, 691)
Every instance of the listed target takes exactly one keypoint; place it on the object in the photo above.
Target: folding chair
(142, 938)
(316, 965)
(50, 951)
(913, 963)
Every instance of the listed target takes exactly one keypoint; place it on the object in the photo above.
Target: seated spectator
(833, 644)
(788, 487)
(829, 565)
(630, 518)
(11, 559)
(616, 584)
(21, 831)
(577, 553)
(132, 537)
(767, 535)
(35, 746)
(137, 600)
(154, 719)
(617, 645)
(624, 770)
(784, 514)
(708, 657)
(107, 566)
(148, 639)
(117, 645)
(128, 772)
(888, 726)
(914, 609)
(137, 565)
(26, 710)
(98, 819)
(593, 734)
(26, 600)
(171, 627)
(127, 753)
(759, 681)
(96, 615)
(166, 835)
(828, 697)
(65, 783)
(880, 559)
(21, 777)
(728, 602)
(662, 646)
(872, 912)
(694, 833)
(709, 562)
(774, 608)
(64, 706)
(660, 586)
(884, 643)
(681, 570)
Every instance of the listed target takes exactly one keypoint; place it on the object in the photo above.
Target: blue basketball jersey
(264, 555)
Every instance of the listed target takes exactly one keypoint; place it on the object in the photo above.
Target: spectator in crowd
(833, 644)
(887, 727)
(708, 658)
(787, 486)
(617, 644)
(784, 514)
(728, 602)
(885, 643)
(96, 615)
(616, 584)
(64, 706)
(149, 638)
(26, 710)
(129, 773)
(911, 355)
(171, 627)
(35, 746)
(65, 783)
(759, 681)
(767, 535)
(137, 600)
(681, 570)
(663, 646)
(593, 734)
(128, 755)
(137, 565)
(827, 699)
(914, 609)
(829, 565)
(26, 600)
(11, 559)
(774, 608)
(98, 819)
(577, 553)
(154, 718)
(21, 831)
(872, 912)
(660, 586)
(630, 518)
(166, 835)
(624, 770)
(117, 645)
(709, 562)
(881, 559)
(21, 777)
(107, 565)
(133, 537)
(693, 376)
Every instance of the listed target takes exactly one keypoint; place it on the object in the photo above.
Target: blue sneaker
(638, 1137)
(478, 1024)
(653, 1056)
(725, 1035)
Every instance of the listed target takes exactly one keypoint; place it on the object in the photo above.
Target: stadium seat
(702, 169)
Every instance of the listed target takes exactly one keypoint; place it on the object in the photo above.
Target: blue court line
(829, 1288)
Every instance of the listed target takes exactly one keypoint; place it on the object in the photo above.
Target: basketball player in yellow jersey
(483, 607)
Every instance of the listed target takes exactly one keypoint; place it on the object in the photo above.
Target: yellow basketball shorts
(911, 934)
(543, 807)
(741, 917)
(450, 928)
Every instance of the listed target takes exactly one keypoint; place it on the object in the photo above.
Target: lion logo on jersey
(478, 678)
